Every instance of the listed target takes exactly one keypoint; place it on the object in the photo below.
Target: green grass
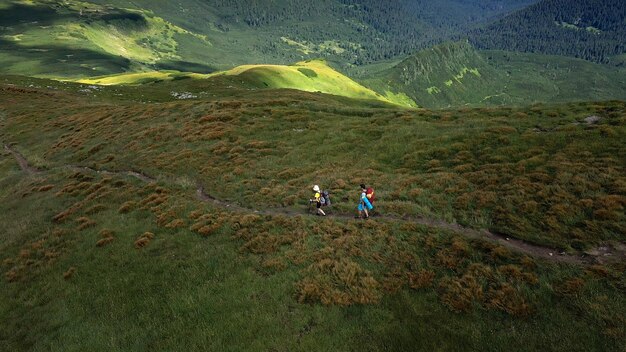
(213, 279)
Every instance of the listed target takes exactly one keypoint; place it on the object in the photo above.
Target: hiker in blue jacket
(364, 204)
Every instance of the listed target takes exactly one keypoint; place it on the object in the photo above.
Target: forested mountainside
(456, 74)
(344, 31)
(593, 30)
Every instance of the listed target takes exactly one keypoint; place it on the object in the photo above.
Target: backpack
(370, 195)
(325, 198)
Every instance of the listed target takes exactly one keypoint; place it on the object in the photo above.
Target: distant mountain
(456, 74)
(344, 31)
(593, 30)
(75, 38)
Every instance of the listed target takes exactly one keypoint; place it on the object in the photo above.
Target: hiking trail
(597, 255)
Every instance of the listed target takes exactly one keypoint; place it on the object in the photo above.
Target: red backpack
(370, 195)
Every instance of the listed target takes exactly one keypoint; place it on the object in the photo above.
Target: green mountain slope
(594, 30)
(449, 74)
(78, 39)
(456, 74)
(309, 76)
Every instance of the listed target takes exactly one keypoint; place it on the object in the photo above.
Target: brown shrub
(460, 294)
(504, 297)
(511, 271)
(104, 241)
(500, 253)
(340, 282)
(95, 209)
(175, 224)
(585, 203)
(530, 278)
(393, 281)
(248, 220)
(261, 244)
(69, 273)
(598, 271)
(447, 259)
(274, 264)
(415, 193)
(460, 247)
(85, 222)
(207, 230)
(127, 207)
(45, 188)
(604, 214)
(421, 279)
(105, 233)
(484, 199)
(570, 287)
(195, 214)
(14, 274)
(144, 240)
(64, 215)
(528, 262)
(340, 184)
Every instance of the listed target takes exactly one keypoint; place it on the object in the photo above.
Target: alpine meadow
(332, 175)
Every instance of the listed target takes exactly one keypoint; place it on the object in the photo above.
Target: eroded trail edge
(600, 254)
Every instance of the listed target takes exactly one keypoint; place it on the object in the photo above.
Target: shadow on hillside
(26, 14)
(60, 60)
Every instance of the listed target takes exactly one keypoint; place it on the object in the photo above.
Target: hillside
(456, 74)
(308, 76)
(182, 224)
(593, 30)
(78, 39)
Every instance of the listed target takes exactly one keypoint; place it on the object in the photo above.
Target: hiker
(369, 193)
(364, 203)
(319, 200)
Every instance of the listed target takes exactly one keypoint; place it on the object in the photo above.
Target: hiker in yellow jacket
(318, 199)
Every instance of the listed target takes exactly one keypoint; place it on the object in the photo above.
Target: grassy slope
(455, 74)
(78, 39)
(211, 279)
(309, 76)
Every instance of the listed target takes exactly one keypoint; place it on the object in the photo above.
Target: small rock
(550, 254)
(592, 120)
(183, 95)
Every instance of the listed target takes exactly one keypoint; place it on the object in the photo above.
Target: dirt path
(597, 255)
(24, 165)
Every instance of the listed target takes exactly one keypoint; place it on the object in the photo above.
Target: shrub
(127, 207)
(421, 279)
(460, 294)
(504, 297)
(104, 241)
(341, 282)
(69, 273)
(95, 209)
(144, 240)
(175, 224)
(85, 222)
(570, 287)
